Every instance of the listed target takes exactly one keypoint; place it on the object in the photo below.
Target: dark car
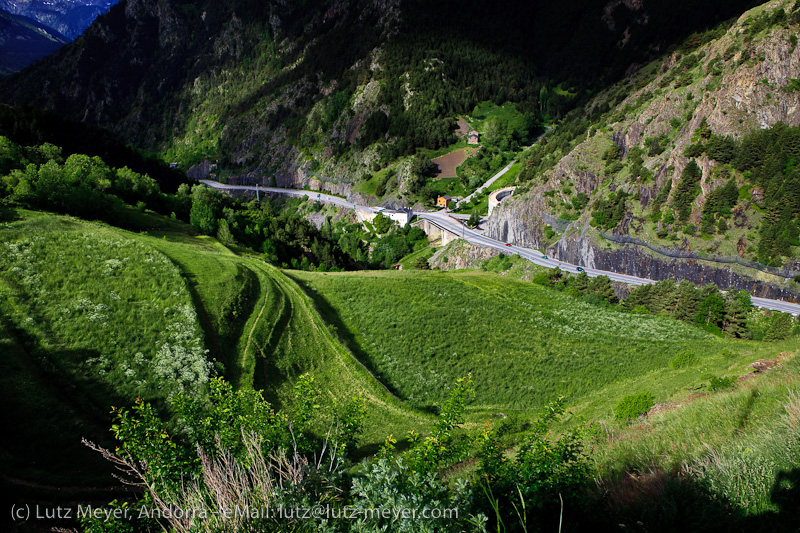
(580, 269)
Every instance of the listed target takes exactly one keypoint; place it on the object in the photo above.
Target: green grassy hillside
(734, 452)
(524, 344)
(268, 333)
(89, 318)
(93, 316)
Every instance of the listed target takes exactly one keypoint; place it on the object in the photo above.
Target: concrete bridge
(436, 232)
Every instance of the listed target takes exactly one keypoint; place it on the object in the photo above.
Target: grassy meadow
(740, 443)
(93, 316)
(525, 345)
(111, 313)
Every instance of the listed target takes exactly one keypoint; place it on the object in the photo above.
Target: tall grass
(525, 345)
(737, 443)
(110, 312)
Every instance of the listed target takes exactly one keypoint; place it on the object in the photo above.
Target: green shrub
(421, 263)
(781, 327)
(541, 279)
(499, 263)
(634, 406)
(715, 383)
(382, 223)
(684, 359)
(608, 212)
(656, 145)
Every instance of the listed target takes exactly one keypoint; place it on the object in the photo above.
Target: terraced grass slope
(270, 333)
(525, 345)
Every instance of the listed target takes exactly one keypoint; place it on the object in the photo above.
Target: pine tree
(581, 282)
(736, 309)
(642, 296)
(687, 190)
(708, 225)
(703, 131)
(687, 302)
(602, 287)
(665, 297)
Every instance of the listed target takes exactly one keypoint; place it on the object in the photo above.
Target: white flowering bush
(180, 362)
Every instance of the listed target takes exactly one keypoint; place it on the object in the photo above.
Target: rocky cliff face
(740, 82)
(579, 248)
(460, 254)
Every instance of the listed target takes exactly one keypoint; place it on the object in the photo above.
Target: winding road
(456, 226)
(500, 174)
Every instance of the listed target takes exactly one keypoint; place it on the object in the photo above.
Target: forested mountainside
(24, 40)
(696, 154)
(264, 86)
(68, 17)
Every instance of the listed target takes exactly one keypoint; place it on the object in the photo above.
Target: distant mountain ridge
(24, 40)
(33, 29)
(68, 17)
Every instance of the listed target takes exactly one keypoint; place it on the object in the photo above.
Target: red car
(508, 244)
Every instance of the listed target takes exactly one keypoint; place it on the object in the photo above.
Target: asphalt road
(499, 174)
(488, 184)
(298, 193)
(447, 222)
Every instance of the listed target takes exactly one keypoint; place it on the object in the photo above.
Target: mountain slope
(692, 116)
(127, 314)
(24, 40)
(265, 87)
